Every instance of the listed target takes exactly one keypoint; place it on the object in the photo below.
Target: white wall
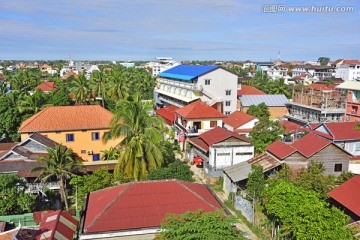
(232, 158)
(220, 81)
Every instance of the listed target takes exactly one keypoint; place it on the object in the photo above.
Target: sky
(132, 30)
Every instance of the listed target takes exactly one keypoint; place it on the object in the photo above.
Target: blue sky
(182, 29)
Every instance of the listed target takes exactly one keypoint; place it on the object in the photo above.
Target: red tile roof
(310, 144)
(249, 90)
(140, 205)
(304, 75)
(314, 125)
(351, 62)
(199, 110)
(167, 112)
(57, 223)
(198, 142)
(321, 87)
(237, 119)
(348, 194)
(290, 127)
(280, 149)
(62, 118)
(47, 86)
(219, 134)
(343, 130)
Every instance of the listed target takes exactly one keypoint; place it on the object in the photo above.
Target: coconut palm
(81, 89)
(141, 139)
(59, 164)
(98, 81)
(118, 85)
(32, 103)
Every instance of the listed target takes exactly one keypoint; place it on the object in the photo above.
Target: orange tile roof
(249, 90)
(62, 118)
(199, 110)
(351, 62)
(301, 76)
(47, 86)
(237, 119)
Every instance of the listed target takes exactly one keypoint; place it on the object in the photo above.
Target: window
(95, 136)
(227, 113)
(213, 124)
(84, 130)
(357, 146)
(338, 167)
(223, 154)
(243, 153)
(227, 92)
(207, 81)
(96, 157)
(83, 151)
(70, 137)
(227, 103)
(57, 132)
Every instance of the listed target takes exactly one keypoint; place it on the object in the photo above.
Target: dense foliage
(99, 179)
(175, 170)
(256, 182)
(199, 225)
(13, 199)
(302, 215)
(264, 133)
(260, 111)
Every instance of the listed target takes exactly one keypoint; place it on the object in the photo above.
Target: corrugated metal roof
(240, 171)
(186, 72)
(350, 85)
(276, 100)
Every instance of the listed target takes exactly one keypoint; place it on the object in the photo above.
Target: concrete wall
(82, 141)
(220, 81)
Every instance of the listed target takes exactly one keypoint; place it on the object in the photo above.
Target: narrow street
(201, 177)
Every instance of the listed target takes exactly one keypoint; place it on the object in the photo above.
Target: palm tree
(32, 103)
(117, 87)
(80, 89)
(141, 134)
(111, 154)
(59, 164)
(279, 87)
(98, 81)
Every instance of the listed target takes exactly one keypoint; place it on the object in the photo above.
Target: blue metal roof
(186, 72)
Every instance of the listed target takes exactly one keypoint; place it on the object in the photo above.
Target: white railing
(179, 84)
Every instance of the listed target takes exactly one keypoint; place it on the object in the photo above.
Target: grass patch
(218, 186)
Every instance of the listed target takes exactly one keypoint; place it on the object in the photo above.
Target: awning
(198, 160)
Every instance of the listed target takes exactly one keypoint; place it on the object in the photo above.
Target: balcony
(35, 188)
(189, 86)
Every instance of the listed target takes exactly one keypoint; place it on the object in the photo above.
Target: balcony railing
(190, 86)
(40, 187)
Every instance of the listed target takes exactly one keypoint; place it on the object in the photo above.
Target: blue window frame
(70, 137)
(96, 157)
(95, 136)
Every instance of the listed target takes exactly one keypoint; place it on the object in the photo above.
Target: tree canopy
(175, 170)
(264, 133)
(13, 199)
(199, 225)
(302, 215)
(260, 111)
(256, 182)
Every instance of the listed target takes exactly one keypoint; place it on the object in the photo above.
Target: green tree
(313, 178)
(81, 89)
(175, 170)
(10, 117)
(110, 154)
(60, 164)
(264, 133)
(118, 88)
(199, 225)
(32, 103)
(99, 179)
(13, 199)
(167, 149)
(256, 182)
(59, 98)
(278, 86)
(302, 215)
(98, 81)
(323, 61)
(141, 140)
(260, 111)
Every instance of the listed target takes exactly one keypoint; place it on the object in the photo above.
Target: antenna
(278, 57)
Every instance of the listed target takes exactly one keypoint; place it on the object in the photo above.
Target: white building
(183, 84)
(162, 64)
(240, 123)
(318, 72)
(350, 71)
(220, 148)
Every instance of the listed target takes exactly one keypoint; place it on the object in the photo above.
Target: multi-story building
(348, 70)
(319, 72)
(184, 84)
(162, 64)
(316, 104)
(353, 99)
(80, 128)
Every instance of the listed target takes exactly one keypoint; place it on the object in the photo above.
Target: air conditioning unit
(90, 152)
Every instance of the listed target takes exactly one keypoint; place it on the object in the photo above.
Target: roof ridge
(111, 203)
(33, 117)
(196, 194)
